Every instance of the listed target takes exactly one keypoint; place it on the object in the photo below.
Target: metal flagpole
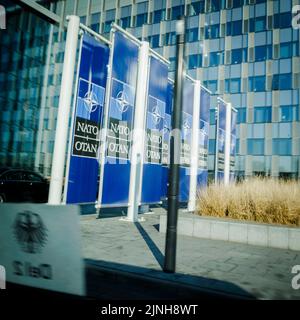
(227, 144)
(139, 120)
(195, 148)
(62, 126)
(216, 160)
(175, 144)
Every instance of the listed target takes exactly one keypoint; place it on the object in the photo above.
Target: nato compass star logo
(122, 101)
(30, 231)
(90, 101)
(156, 114)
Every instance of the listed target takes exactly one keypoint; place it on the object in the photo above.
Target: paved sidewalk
(232, 268)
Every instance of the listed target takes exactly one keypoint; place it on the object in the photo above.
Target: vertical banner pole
(104, 130)
(216, 162)
(227, 144)
(138, 130)
(62, 126)
(65, 191)
(195, 148)
(175, 144)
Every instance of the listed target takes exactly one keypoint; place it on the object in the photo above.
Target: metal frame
(139, 125)
(61, 134)
(105, 123)
(65, 191)
(227, 144)
(194, 148)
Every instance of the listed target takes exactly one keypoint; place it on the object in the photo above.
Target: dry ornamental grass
(262, 200)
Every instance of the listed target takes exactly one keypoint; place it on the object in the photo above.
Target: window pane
(192, 35)
(236, 28)
(176, 12)
(262, 114)
(285, 50)
(282, 147)
(260, 24)
(237, 56)
(196, 8)
(241, 115)
(257, 83)
(256, 146)
(282, 81)
(158, 16)
(286, 113)
(141, 19)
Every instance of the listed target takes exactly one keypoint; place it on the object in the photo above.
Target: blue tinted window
(263, 53)
(236, 28)
(233, 85)
(170, 38)
(212, 32)
(95, 27)
(237, 3)
(154, 41)
(288, 113)
(256, 147)
(241, 115)
(211, 146)
(196, 8)
(262, 114)
(282, 147)
(239, 55)
(260, 24)
(283, 20)
(158, 16)
(125, 22)
(286, 50)
(211, 85)
(192, 35)
(216, 58)
(141, 19)
(282, 81)
(195, 61)
(237, 146)
(177, 11)
(172, 64)
(257, 83)
(107, 26)
(217, 5)
(228, 29)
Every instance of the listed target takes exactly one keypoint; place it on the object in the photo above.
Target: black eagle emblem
(30, 231)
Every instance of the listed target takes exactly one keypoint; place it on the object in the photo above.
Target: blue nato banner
(166, 140)
(221, 139)
(186, 135)
(82, 186)
(155, 120)
(233, 144)
(202, 176)
(116, 175)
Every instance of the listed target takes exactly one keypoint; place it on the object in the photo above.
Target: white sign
(40, 246)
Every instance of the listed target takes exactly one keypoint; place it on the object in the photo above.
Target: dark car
(18, 185)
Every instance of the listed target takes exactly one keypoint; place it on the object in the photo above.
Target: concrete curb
(156, 284)
(251, 233)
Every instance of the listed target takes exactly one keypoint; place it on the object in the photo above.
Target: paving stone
(261, 271)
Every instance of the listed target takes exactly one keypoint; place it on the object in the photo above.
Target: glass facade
(245, 51)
